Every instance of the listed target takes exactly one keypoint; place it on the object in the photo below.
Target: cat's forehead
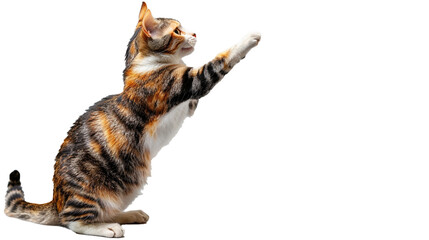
(168, 22)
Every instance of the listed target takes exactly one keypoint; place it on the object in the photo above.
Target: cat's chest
(159, 133)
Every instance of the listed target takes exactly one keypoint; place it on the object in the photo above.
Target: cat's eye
(177, 31)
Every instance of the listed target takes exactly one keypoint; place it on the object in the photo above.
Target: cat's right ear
(147, 22)
(141, 14)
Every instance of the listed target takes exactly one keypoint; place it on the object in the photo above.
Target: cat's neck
(149, 63)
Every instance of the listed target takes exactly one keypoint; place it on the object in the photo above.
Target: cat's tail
(16, 206)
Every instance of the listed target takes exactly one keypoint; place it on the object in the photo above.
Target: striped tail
(16, 206)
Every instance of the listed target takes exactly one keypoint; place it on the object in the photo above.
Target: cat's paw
(251, 40)
(140, 216)
(132, 217)
(114, 230)
(240, 51)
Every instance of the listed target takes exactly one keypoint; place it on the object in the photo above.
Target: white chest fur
(165, 129)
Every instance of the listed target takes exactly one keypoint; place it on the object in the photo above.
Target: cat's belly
(160, 133)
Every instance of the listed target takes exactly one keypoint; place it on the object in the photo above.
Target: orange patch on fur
(114, 140)
(95, 147)
(124, 110)
(131, 78)
(85, 200)
(179, 72)
(225, 56)
(59, 201)
(151, 127)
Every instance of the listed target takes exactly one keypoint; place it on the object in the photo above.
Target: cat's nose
(194, 35)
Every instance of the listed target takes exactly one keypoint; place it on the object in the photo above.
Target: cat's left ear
(148, 23)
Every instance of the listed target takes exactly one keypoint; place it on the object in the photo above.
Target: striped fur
(16, 206)
(105, 160)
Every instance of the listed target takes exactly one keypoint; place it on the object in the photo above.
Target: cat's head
(159, 36)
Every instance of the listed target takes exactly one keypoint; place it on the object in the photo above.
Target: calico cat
(105, 160)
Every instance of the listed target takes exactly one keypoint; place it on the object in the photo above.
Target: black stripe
(85, 218)
(82, 195)
(138, 110)
(78, 204)
(16, 204)
(135, 129)
(168, 44)
(112, 172)
(14, 188)
(14, 197)
(89, 159)
(128, 56)
(24, 216)
(78, 213)
(185, 92)
(223, 72)
(213, 75)
(75, 177)
(187, 82)
(203, 82)
(111, 178)
(169, 84)
(131, 162)
(72, 184)
(13, 183)
(29, 206)
(66, 150)
(72, 180)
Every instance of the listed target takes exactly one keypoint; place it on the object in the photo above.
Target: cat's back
(104, 144)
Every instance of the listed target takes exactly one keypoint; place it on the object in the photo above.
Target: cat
(105, 160)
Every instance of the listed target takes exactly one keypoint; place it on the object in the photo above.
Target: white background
(322, 132)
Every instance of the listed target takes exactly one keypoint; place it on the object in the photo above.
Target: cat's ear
(141, 14)
(148, 24)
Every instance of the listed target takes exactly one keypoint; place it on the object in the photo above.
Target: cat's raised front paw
(252, 40)
(249, 41)
(241, 49)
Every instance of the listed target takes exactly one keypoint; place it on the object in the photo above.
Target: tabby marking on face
(105, 160)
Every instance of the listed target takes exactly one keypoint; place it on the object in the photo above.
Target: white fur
(166, 128)
(240, 50)
(153, 62)
(98, 229)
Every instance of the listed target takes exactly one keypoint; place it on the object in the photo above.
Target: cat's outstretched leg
(193, 83)
(112, 230)
(132, 217)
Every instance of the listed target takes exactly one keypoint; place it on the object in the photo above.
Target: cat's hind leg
(112, 230)
(132, 217)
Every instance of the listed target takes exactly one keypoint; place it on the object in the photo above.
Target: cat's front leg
(194, 83)
(240, 50)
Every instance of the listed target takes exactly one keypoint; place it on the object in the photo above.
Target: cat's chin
(187, 50)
